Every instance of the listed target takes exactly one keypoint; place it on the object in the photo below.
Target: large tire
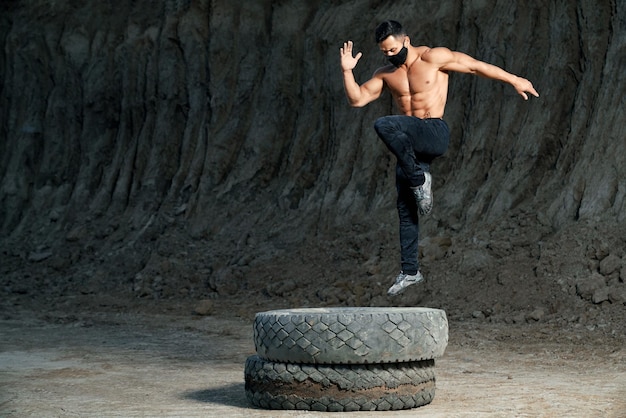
(339, 388)
(351, 335)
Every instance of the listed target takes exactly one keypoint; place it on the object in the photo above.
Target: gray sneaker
(403, 281)
(424, 195)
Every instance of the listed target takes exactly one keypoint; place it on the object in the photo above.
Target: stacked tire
(345, 359)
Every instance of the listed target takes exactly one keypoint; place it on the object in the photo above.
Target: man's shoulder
(385, 70)
(436, 54)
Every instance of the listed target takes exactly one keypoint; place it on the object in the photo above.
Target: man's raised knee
(382, 124)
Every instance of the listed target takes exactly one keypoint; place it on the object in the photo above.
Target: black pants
(416, 143)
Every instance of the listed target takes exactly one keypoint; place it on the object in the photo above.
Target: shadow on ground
(229, 395)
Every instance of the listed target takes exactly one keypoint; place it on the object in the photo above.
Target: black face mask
(399, 58)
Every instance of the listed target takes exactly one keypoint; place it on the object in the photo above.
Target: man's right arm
(358, 96)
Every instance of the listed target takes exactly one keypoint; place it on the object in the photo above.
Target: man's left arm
(457, 61)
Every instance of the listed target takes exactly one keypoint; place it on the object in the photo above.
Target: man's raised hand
(348, 62)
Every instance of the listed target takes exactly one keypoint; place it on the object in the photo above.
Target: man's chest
(417, 79)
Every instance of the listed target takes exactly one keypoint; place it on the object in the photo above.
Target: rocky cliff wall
(228, 119)
(104, 107)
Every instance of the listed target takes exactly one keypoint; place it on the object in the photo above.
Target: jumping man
(417, 78)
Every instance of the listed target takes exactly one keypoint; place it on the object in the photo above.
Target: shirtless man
(418, 81)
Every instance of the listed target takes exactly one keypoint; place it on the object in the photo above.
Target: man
(417, 78)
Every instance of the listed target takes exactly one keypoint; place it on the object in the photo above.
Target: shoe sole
(404, 288)
(426, 209)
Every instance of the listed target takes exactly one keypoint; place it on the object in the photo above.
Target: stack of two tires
(345, 359)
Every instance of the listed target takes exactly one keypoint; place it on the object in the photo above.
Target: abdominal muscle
(421, 93)
(422, 105)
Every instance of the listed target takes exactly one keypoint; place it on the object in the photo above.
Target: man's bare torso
(420, 89)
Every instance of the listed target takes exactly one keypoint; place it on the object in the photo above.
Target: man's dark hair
(389, 28)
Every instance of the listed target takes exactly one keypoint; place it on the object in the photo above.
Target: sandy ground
(167, 365)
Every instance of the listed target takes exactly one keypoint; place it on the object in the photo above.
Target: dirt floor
(108, 362)
(537, 327)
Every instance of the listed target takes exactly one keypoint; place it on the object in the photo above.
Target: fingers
(347, 48)
(531, 89)
(525, 96)
(348, 62)
(527, 88)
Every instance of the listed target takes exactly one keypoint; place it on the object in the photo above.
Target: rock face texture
(205, 148)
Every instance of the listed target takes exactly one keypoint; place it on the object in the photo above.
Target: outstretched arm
(463, 63)
(369, 91)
